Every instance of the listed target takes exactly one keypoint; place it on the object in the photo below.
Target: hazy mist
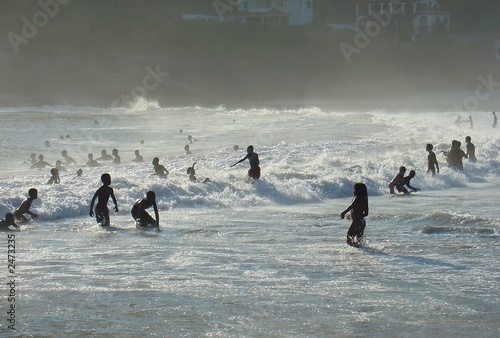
(91, 52)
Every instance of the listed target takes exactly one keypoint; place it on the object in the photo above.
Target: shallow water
(263, 259)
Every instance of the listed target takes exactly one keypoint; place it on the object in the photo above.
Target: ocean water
(266, 259)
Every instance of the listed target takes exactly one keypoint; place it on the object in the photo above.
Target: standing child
(432, 163)
(359, 210)
(103, 194)
(24, 208)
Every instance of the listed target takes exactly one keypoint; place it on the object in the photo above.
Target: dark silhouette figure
(67, 159)
(91, 162)
(103, 194)
(60, 166)
(455, 155)
(79, 173)
(432, 163)
(141, 216)
(41, 163)
(7, 222)
(359, 210)
(253, 158)
(494, 120)
(471, 150)
(25, 207)
(105, 156)
(116, 159)
(138, 157)
(186, 148)
(406, 182)
(192, 174)
(54, 179)
(397, 181)
(160, 170)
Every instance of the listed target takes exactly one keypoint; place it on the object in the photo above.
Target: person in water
(359, 210)
(105, 156)
(79, 173)
(25, 207)
(103, 194)
(471, 122)
(138, 157)
(186, 148)
(67, 158)
(91, 162)
(192, 174)
(141, 216)
(253, 158)
(54, 179)
(60, 166)
(471, 150)
(397, 181)
(32, 159)
(7, 222)
(494, 120)
(406, 183)
(455, 155)
(432, 163)
(160, 169)
(41, 163)
(116, 159)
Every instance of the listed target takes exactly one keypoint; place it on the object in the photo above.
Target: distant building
(406, 18)
(262, 12)
(290, 12)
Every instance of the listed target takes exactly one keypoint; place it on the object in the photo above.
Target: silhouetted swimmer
(142, 142)
(138, 157)
(7, 222)
(359, 210)
(61, 137)
(236, 147)
(192, 174)
(455, 155)
(47, 144)
(186, 148)
(253, 158)
(67, 136)
(160, 170)
(458, 121)
(406, 182)
(117, 159)
(397, 181)
(471, 122)
(79, 173)
(54, 179)
(181, 131)
(33, 159)
(41, 163)
(432, 163)
(60, 166)
(141, 216)
(471, 150)
(91, 162)
(67, 159)
(190, 139)
(494, 120)
(105, 156)
(25, 207)
(103, 194)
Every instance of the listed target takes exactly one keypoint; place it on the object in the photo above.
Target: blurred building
(406, 19)
(261, 12)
